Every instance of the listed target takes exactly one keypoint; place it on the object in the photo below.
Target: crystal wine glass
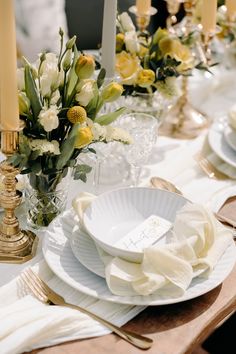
(143, 129)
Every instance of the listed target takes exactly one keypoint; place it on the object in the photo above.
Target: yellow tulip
(24, 103)
(84, 137)
(85, 66)
(112, 92)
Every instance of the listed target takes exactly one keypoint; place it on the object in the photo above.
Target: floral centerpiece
(146, 63)
(59, 101)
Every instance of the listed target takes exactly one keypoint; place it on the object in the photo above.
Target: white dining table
(171, 159)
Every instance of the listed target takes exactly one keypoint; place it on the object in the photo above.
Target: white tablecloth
(172, 159)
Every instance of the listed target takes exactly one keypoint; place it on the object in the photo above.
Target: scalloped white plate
(230, 137)
(220, 146)
(59, 256)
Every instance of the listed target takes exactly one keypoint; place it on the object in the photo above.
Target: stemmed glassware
(143, 129)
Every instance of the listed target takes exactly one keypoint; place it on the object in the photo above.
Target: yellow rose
(176, 50)
(120, 40)
(84, 137)
(112, 92)
(145, 78)
(85, 66)
(77, 114)
(127, 65)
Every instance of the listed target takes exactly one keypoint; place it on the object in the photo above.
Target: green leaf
(31, 92)
(67, 148)
(35, 167)
(109, 118)
(72, 77)
(101, 77)
(81, 171)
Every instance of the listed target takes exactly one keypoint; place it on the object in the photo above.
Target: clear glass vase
(149, 103)
(46, 197)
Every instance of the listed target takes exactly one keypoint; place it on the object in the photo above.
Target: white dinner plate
(59, 256)
(230, 136)
(220, 146)
(84, 249)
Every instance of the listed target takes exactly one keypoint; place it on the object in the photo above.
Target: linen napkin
(26, 323)
(197, 243)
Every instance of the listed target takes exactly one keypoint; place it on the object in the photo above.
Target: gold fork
(209, 168)
(45, 294)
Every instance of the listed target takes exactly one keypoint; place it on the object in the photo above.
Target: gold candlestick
(183, 121)
(142, 20)
(16, 245)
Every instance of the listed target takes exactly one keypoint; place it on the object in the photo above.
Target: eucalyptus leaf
(110, 117)
(67, 148)
(81, 171)
(31, 92)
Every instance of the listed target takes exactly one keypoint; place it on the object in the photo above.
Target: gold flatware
(161, 183)
(209, 168)
(225, 220)
(45, 294)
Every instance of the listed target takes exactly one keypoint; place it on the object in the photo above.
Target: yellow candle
(9, 117)
(143, 6)
(208, 15)
(231, 8)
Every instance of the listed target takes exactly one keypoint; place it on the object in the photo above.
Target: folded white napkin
(197, 243)
(26, 323)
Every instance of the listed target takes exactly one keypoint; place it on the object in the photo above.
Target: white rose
(50, 76)
(131, 42)
(86, 93)
(126, 22)
(232, 116)
(21, 79)
(45, 146)
(48, 118)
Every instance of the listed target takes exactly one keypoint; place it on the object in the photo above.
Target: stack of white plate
(223, 143)
(73, 255)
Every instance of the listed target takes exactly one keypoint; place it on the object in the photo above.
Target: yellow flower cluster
(139, 59)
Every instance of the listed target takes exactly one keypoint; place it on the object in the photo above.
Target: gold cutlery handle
(137, 340)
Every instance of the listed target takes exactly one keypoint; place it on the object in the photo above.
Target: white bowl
(113, 214)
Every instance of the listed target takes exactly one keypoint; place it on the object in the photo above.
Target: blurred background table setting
(118, 169)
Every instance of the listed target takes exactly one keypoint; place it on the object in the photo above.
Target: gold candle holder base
(183, 121)
(16, 245)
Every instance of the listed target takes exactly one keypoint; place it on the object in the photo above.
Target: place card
(145, 234)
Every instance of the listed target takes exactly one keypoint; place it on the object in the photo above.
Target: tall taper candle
(208, 13)
(231, 8)
(9, 117)
(143, 6)
(109, 37)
